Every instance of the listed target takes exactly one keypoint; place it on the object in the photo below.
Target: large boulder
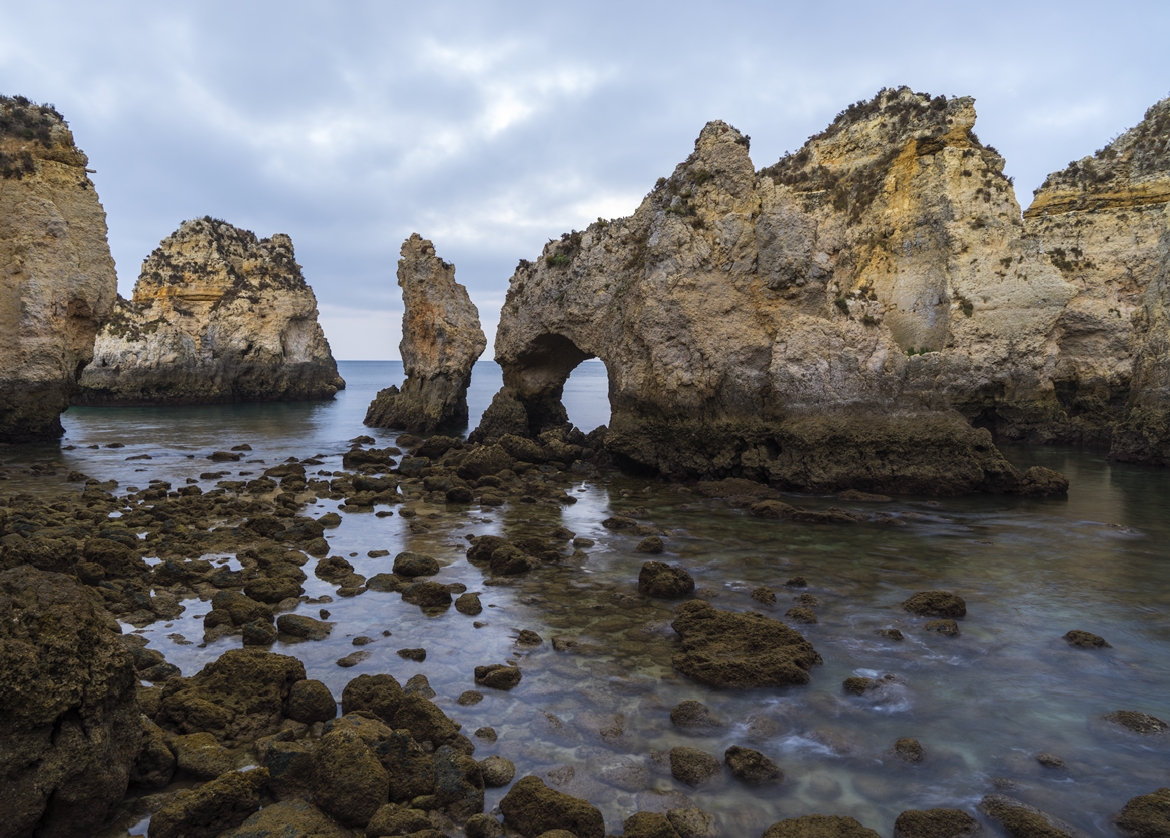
(726, 649)
(58, 285)
(349, 781)
(211, 809)
(531, 808)
(441, 341)
(217, 315)
(238, 697)
(289, 819)
(1146, 816)
(69, 719)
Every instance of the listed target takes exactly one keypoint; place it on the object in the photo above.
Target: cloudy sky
(492, 127)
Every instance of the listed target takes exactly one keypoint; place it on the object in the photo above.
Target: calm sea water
(983, 705)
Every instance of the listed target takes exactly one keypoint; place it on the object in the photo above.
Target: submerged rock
(726, 649)
(1020, 820)
(1142, 723)
(217, 315)
(795, 324)
(69, 719)
(441, 341)
(819, 826)
(1146, 816)
(58, 285)
(935, 823)
(751, 766)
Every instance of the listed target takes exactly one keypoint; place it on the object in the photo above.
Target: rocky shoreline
(259, 749)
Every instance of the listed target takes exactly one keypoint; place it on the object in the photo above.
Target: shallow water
(982, 704)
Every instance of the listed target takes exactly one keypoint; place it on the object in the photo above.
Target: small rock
(497, 676)
(411, 565)
(487, 734)
(1142, 723)
(764, 594)
(658, 579)
(692, 766)
(691, 822)
(909, 749)
(693, 714)
(1050, 760)
(1086, 640)
(200, 755)
(258, 633)
(801, 614)
(483, 826)
(527, 637)
(419, 685)
(311, 701)
(752, 766)
(469, 604)
(497, 771)
(417, 655)
(936, 604)
(353, 658)
(797, 582)
(298, 625)
(650, 544)
(948, 627)
(468, 698)
(890, 634)
(935, 823)
(648, 825)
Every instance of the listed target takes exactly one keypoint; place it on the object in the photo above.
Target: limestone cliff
(1104, 223)
(441, 341)
(810, 324)
(217, 315)
(57, 280)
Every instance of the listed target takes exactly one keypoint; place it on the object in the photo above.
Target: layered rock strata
(1104, 223)
(57, 280)
(441, 341)
(813, 324)
(217, 315)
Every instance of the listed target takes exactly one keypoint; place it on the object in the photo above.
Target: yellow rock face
(57, 280)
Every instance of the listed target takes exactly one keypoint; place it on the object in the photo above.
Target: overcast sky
(491, 128)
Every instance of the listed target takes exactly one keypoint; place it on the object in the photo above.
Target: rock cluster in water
(217, 315)
(57, 280)
(843, 318)
(441, 341)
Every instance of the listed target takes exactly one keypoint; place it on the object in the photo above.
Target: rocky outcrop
(1103, 223)
(441, 341)
(69, 722)
(57, 280)
(217, 316)
(814, 324)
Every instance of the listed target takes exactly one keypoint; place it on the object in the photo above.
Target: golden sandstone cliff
(837, 320)
(441, 341)
(57, 280)
(217, 315)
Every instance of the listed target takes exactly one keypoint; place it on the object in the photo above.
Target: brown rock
(497, 676)
(658, 579)
(211, 809)
(935, 823)
(692, 765)
(936, 604)
(1146, 816)
(1022, 821)
(752, 766)
(818, 826)
(1085, 640)
(648, 825)
(532, 808)
(1142, 723)
(909, 749)
(349, 782)
(379, 694)
(310, 701)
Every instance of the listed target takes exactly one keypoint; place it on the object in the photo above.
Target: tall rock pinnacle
(441, 341)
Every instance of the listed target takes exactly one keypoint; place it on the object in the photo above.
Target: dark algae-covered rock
(1086, 640)
(819, 826)
(289, 819)
(532, 808)
(1146, 816)
(69, 720)
(1142, 723)
(1020, 820)
(693, 766)
(726, 649)
(935, 823)
(751, 766)
(658, 579)
(211, 809)
(936, 604)
(648, 825)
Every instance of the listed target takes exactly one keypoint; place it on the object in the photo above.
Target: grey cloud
(494, 127)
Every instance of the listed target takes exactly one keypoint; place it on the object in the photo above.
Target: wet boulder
(727, 649)
(648, 825)
(497, 771)
(201, 755)
(510, 560)
(411, 565)
(693, 714)
(692, 765)
(751, 766)
(311, 701)
(1020, 820)
(409, 767)
(1142, 723)
(211, 809)
(1085, 640)
(349, 782)
(819, 826)
(658, 579)
(240, 696)
(289, 819)
(427, 595)
(69, 721)
(936, 604)
(379, 694)
(155, 765)
(531, 808)
(305, 628)
(392, 819)
(427, 722)
(458, 783)
(935, 823)
(498, 676)
(1146, 816)
(909, 750)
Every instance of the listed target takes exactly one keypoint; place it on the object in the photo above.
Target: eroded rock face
(69, 719)
(1104, 223)
(57, 280)
(441, 341)
(813, 324)
(217, 315)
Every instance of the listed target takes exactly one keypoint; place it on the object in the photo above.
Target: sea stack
(441, 341)
(1104, 222)
(217, 315)
(829, 322)
(57, 280)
